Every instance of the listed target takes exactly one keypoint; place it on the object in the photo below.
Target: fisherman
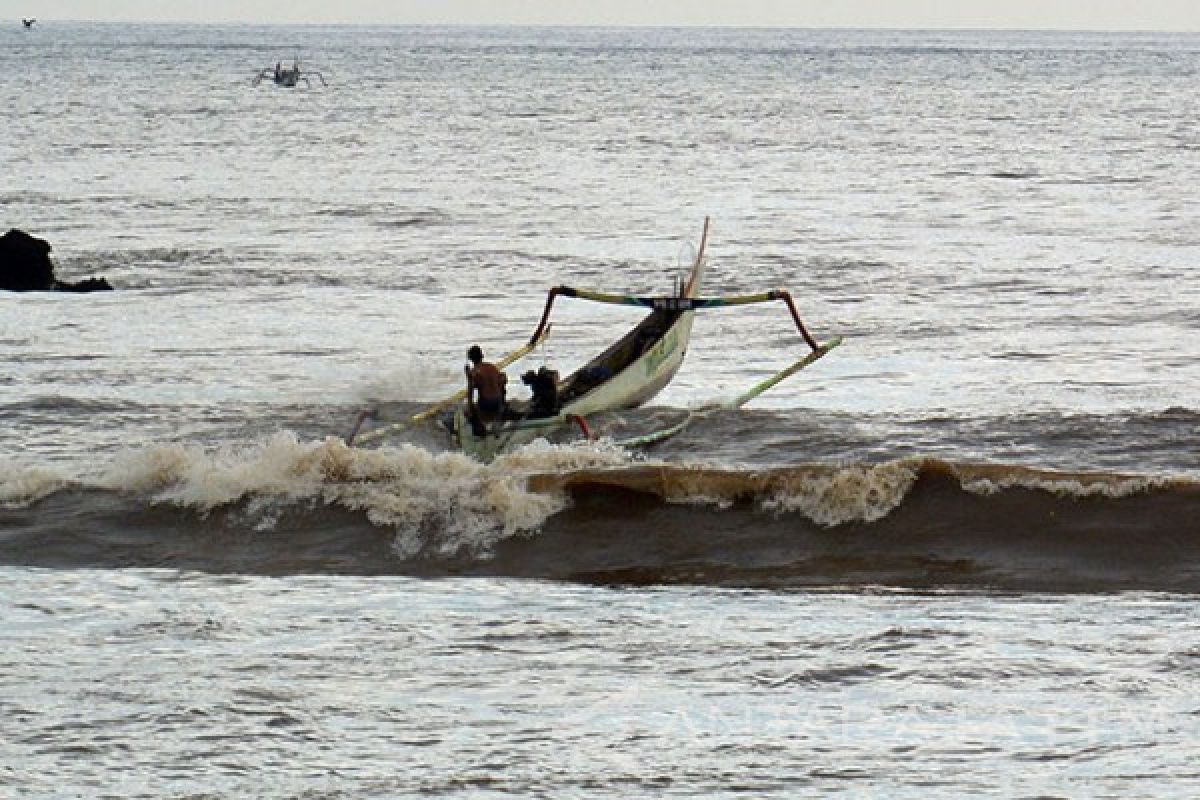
(485, 391)
(544, 385)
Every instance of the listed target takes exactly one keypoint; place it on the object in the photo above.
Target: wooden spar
(690, 288)
(786, 372)
(787, 298)
(684, 303)
(557, 290)
(654, 437)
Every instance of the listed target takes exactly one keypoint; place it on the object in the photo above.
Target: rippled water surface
(957, 556)
(154, 684)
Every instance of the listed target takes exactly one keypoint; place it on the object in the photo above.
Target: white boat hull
(633, 386)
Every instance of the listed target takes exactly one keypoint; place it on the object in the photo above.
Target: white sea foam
(195, 478)
(23, 486)
(863, 493)
(542, 456)
(446, 502)
(1064, 485)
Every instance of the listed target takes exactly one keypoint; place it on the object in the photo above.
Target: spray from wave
(436, 503)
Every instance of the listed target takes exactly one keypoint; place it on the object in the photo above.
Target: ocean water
(957, 556)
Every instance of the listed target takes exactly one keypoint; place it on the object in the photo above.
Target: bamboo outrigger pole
(672, 303)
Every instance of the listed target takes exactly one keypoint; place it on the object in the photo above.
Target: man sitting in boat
(544, 385)
(485, 391)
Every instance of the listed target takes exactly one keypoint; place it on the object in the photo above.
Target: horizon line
(626, 26)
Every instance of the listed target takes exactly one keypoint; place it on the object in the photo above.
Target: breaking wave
(592, 512)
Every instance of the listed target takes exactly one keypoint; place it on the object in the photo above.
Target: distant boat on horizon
(282, 76)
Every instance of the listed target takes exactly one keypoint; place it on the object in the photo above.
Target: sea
(959, 556)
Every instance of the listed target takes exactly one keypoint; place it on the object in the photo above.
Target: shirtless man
(485, 389)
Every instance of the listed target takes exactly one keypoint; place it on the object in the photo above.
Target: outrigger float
(626, 375)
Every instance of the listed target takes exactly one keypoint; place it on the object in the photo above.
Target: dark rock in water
(25, 262)
(25, 266)
(85, 285)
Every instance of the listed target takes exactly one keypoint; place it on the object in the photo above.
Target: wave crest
(437, 503)
(849, 494)
(828, 496)
(24, 486)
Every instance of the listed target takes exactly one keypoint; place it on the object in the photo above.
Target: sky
(1135, 15)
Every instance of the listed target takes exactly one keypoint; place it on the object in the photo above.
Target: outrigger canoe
(626, 375)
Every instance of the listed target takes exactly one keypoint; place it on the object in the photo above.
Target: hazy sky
(1161, 15)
